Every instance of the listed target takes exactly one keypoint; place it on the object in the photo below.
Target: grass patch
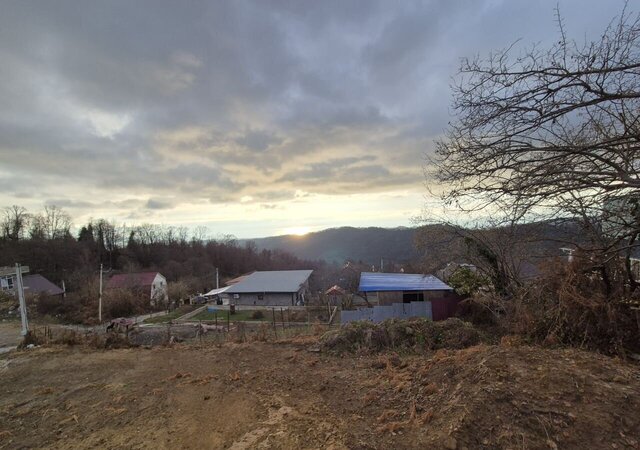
(178, 312)
(253, 315)
(239, 316)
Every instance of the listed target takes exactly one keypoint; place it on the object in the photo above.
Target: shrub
(417, 334)
(257, 315)
(54, 306)
(570, 305)
(123, 303)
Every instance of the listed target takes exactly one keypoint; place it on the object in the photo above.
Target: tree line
(45, 241)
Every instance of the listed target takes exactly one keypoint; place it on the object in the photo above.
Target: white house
(153, 284)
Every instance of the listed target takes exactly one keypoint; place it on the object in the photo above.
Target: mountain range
(368, 245)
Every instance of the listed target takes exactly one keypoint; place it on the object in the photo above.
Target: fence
(393, 311)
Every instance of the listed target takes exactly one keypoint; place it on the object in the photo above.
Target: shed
(217, 294)
(390, 288)
(335, 294)
(271, 288)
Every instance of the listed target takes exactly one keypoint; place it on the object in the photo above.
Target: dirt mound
(419, 334)
(278, 395)
(506, 397)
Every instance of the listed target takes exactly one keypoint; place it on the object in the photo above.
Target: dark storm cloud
(216, 101)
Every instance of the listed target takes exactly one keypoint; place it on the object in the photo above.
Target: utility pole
(217, 279)
(100, 298)
(23, 304)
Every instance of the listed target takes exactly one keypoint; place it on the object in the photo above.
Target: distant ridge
(398, 245)
(368, 245)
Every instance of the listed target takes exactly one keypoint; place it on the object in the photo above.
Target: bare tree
(57, 223)
(15, 221)
(553, 134)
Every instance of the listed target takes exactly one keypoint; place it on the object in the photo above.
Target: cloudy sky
(252, 118)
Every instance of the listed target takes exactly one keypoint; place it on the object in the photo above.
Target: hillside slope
(401, 245)
(368, 245)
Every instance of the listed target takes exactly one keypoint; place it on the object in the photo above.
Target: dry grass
(413, 334)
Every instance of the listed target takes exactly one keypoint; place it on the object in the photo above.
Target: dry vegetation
(416, 335)
(278, 394)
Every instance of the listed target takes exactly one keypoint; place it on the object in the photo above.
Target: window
(260, 296)
(408, 297)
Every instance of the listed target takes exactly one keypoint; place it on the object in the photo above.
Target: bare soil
(281, 395)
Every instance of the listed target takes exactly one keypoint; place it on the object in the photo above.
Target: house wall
(159, 291)
(7, 282)
(268, 299)
(391, 297)
(388, 297)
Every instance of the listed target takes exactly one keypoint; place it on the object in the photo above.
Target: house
(386, 289)
(34, 284)
(8, 278)
(271, 288)
(151, 284)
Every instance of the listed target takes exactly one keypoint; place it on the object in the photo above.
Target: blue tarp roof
(374, 282)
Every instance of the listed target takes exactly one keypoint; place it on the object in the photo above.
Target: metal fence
(393, 311)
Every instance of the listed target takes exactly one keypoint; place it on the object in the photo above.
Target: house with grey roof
(271, 288)
(34, 284)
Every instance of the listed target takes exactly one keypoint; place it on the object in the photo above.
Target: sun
(297, 231)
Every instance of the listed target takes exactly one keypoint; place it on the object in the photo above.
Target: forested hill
(368, 245)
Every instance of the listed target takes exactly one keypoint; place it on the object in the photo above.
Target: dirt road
(9, 335)
(280, 395)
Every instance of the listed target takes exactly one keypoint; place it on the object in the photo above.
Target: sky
(250, 118)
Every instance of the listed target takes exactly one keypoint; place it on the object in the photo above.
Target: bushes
(54, 306)
(257, 315)
(570, 305)
(123, 303)
(417, 334)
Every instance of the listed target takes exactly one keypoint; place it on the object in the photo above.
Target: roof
(37, 284)
(271, 281)
(130, 280)
(238, 279)
(213, 292)
(335, 290)
(376, 282)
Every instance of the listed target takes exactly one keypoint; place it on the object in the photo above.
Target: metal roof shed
(381, 282)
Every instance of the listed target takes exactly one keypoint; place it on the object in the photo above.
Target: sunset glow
(298, 231)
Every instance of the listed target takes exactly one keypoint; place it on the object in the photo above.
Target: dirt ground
(282, 395)
(9, 334)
